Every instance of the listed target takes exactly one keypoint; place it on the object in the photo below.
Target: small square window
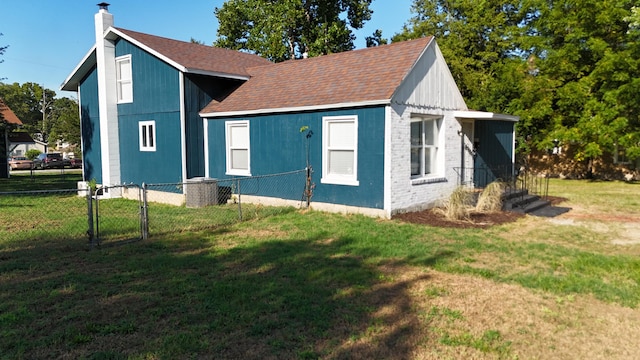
(147, 131)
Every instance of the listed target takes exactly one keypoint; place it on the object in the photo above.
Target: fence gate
(116, 215)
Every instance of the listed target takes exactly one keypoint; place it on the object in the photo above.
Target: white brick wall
(405, 194)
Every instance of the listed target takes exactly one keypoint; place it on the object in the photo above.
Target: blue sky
(48, 38)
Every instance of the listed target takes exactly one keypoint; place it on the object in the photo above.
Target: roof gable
(365, 76)
(8, 115)
(185, 56)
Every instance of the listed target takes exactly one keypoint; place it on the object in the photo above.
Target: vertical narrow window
(124, 79)
(147, 131)
(340, 150)
(238, 148)
(425, 147)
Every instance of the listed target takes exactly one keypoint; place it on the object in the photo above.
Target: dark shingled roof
(357, 76)
(199, 57)
(8, 115)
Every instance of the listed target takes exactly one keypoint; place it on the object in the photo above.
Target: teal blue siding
(494, 159)
(278, 146)
(90, 127)
(156, 96)
(199, 91)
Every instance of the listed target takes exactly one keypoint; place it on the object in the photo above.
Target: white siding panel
(430, 84)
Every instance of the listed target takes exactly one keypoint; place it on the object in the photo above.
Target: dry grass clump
(490, 199)
(459, 205)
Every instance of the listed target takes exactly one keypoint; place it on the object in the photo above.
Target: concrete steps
(522, 202)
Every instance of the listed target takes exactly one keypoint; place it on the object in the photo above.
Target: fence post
(144, 213)
(90, 233)
(239, 201)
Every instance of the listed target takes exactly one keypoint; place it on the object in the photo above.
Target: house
(20, 142)
(391, 131)
(8, 121)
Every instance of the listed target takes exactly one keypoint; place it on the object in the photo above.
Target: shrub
(32, 153)
(490, 199)
(459, 204)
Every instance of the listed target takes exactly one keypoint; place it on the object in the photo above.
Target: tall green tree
(590, 50)
(28, 101)
(286, 29)
(65, 121)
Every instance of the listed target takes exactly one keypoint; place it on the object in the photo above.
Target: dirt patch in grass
(457, 316)
(434, 218)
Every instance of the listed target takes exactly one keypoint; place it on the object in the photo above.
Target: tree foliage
(570, 69)
(286, 29)
(61, 120)
(2, 50)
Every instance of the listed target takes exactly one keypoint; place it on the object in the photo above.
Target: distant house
(20, 142)
(392, 132)
(9, 122)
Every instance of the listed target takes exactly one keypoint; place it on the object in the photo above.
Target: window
(340, 150)
(124, 81)
(147, 130)
(620, 155)
(237, 143)
(425, 147)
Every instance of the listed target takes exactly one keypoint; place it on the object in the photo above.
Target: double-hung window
(425, 147)
(340, 150)
(147, 133)
(238, 149)
(124, 79)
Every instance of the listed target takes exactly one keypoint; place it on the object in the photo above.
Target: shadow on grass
(308, 298)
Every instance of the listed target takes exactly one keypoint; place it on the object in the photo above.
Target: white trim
(227, 126)
(205, 126)
(122, 83)
(482, 115)
(388, 156)
(143, 129)
(336, 179)
(183, 126)
(295, 109)
(437, 168)
(83, 64)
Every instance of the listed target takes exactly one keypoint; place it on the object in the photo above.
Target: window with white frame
(238, 148)
(147, 132)
(425, 147)
(340, 150)
(124, 80)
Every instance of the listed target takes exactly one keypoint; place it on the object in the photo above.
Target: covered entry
(492, 142)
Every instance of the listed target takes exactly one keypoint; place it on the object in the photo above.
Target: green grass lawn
(296, 284)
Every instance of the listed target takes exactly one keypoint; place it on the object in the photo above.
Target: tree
(591, 52)
(2, 50)
(28, 101)
(65, 125)
(376, 39)
(286, 29)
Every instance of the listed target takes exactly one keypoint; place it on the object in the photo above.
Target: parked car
(48, 161)
(20, 163)
(73, 162)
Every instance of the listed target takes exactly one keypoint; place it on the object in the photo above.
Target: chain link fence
(208, 203)
(124, 213)
(44, 215)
